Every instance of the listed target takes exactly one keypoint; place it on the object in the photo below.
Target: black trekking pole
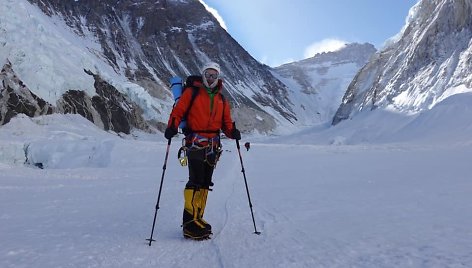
(160, 190)
(245, 182)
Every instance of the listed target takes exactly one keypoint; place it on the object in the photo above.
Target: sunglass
(212, 76)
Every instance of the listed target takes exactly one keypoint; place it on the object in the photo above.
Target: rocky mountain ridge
(136, 46)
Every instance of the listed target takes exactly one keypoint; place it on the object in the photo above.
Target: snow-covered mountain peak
(318, 83)
(352, 52)
(414, 72)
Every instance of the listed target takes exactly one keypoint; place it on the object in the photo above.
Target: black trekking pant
(200, 168)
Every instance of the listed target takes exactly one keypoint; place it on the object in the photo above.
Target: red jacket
(201, 119)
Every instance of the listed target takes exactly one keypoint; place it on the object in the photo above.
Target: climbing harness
(194, 142)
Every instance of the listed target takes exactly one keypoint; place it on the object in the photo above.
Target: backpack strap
(195, 90)
(194, 96)
(190, 83)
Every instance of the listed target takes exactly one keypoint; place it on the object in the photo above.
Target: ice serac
(426, 62)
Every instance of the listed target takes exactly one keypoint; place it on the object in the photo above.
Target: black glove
(170, 132)
(235, 134)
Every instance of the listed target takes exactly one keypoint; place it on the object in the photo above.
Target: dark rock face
(108, 109)
(76, 102)
(16, 98)
(116, 112)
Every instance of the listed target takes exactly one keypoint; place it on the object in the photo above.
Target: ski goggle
(212, 76)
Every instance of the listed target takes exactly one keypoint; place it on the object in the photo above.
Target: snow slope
(449, 122)
(376, 204)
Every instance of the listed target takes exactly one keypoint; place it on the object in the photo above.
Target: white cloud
(326, 45)
(215, 14)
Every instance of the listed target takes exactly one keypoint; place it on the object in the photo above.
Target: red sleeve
(227, 121)
(179, 109)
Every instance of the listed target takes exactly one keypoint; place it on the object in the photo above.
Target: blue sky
(276, 32)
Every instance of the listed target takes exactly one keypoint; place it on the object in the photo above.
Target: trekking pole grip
(237, 141)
